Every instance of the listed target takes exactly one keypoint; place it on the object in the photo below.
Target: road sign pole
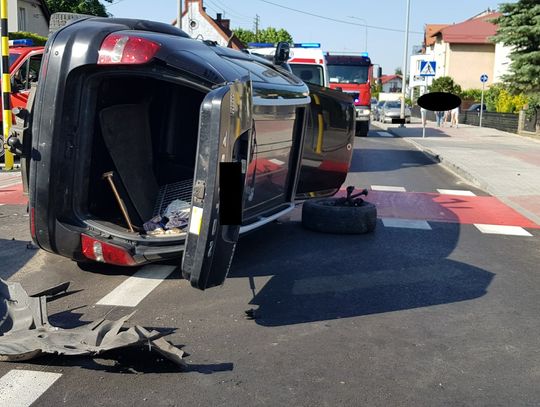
(482, 104)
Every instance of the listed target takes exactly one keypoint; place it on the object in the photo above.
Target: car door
(218, 186)
(328, 143)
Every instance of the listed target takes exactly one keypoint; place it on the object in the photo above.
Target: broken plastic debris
(25, 332)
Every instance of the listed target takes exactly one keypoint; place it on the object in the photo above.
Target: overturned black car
(144, 144)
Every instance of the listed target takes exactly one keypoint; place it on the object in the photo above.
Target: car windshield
(12, 58)
(393, 104)
(309, 73)
(348, 73)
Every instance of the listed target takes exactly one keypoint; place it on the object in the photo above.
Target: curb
(449, 165)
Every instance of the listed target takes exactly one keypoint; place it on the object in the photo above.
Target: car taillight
(105, 252)
(33, 223)
(126, 49)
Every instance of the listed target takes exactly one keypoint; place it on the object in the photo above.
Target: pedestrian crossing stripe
(427, 68)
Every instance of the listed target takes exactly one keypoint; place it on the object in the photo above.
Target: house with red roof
(198, 24)
(465, 51)
(391, 83)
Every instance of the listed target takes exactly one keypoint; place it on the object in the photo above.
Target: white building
(464, 51)
(199, 25)
(28, 15)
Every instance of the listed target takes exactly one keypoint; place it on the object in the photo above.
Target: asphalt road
(408, 315)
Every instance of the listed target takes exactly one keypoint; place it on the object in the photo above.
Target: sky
(385, 20)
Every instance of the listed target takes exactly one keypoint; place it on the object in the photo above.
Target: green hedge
(22, 35)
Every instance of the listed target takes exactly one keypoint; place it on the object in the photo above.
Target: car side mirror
(282, 53)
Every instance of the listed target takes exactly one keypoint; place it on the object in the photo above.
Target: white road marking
(387, 188)
(139, 285)
(21, 388)
(10, 184)
(405, 223)
(502, 230)
(384, 134)
(276, 161)
(462, 192)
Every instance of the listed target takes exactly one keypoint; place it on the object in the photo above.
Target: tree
(90, 7)
(445, 84)
(518, 28)
(244, 35)
(398, 71)
(269, 34)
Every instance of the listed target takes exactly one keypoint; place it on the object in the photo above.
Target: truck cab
(352, 74)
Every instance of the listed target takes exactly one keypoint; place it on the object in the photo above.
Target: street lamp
(365, 26)
(404, 71)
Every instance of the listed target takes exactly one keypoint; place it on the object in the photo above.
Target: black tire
(323, 215)
(59, 20)
(362, 129)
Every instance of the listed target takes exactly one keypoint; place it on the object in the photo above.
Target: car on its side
(145, 144)
(391, 112)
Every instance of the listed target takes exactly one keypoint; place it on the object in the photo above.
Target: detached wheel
(362, 129)
(328, 216)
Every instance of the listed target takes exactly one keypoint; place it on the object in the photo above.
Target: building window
(22, 19)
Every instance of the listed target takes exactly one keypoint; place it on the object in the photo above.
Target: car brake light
(32, 222)
(105, 252)
(126, 49)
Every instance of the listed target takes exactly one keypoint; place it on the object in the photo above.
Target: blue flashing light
(260, 44)
(307, 45)
(21, 43)
(364, 54)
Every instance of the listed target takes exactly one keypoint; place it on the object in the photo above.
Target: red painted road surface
(401, 205)
(13, 195)
(446, 208)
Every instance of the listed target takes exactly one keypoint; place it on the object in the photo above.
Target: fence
(501, 121)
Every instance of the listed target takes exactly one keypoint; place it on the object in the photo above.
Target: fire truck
(353, 74)
(24, 66)
(306, 60)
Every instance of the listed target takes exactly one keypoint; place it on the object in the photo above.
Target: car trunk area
(144, 141)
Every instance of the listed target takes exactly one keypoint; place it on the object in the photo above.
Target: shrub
(23, 35)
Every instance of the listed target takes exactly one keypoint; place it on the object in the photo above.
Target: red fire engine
(353, 74)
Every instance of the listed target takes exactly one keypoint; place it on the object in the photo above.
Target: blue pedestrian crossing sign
(427, 68)
(483, 78)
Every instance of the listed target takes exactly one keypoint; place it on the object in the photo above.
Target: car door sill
(264, 220)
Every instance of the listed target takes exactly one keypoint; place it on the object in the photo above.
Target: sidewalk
(504, 164)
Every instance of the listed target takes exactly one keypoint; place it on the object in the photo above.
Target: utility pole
(179, 14)
(404, 71)
(257, 20)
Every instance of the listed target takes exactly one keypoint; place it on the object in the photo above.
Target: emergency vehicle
(353, 74)
(306, 60)
(24, 65)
